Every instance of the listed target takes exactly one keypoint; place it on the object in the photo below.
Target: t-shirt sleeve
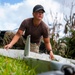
(23, 25)
(46, 32)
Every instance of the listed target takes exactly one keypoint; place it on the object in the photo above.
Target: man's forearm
(48, 46)
(15, 39)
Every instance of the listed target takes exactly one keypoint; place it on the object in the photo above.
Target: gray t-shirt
(35, 31)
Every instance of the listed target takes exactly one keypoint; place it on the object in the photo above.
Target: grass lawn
(9, 66)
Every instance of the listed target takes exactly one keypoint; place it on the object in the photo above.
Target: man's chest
(34, 31)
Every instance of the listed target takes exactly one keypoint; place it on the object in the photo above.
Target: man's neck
(36, 22)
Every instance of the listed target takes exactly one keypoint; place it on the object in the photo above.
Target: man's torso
(35, 31)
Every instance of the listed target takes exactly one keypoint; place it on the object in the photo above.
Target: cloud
(11, 15)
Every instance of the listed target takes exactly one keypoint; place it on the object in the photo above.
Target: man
(36, 28)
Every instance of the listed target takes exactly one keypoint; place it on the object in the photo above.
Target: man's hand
(51, 55)
(8, 46)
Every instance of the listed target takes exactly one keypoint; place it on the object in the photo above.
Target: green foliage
(65, 46)
(70, 43)
(10, 66)
(54, 45)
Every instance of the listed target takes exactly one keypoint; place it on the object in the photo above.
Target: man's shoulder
(28, 19)
(44, 24)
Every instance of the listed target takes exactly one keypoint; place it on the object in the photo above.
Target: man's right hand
(8, 46)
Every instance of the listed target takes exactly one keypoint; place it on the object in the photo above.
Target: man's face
(38, 14)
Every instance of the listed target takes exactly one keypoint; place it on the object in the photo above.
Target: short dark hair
(38, 7)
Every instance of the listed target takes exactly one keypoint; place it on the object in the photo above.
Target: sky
(10, 1)
(13, 12)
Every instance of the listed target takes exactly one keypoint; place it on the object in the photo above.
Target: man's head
(38, 8)
(38, 12)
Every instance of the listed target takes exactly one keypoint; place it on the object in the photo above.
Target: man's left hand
(51, 55)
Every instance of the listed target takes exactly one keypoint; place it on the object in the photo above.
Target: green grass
(9, 66)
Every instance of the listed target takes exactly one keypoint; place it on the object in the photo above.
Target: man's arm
(47, 43)
(14, 40)
(48, 46)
